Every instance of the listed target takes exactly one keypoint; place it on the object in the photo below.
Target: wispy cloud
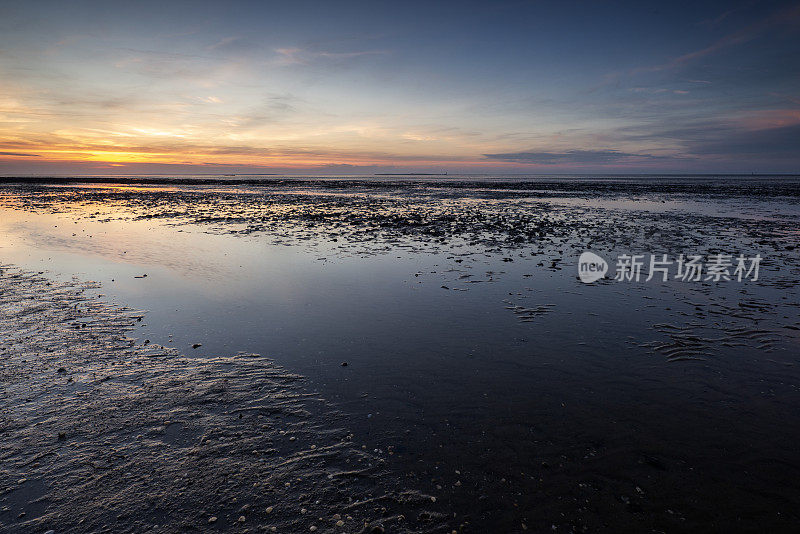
(785, 17)
(763, 145)
(302, 56)
(572, 157)
(771, 118)
(234, 45)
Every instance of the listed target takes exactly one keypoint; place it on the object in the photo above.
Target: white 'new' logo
(591, 267)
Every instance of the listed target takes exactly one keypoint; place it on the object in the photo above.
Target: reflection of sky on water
(240, 293)
(118, 241)
(745, 209)
(307, 303)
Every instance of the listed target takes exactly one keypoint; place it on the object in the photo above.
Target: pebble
(212, 519)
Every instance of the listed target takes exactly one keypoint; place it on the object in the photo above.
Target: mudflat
(399, 355)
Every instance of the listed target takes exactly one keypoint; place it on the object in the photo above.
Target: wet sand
(100, 433)
(538, 403)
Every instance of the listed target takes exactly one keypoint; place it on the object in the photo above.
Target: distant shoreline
(443, 178)
(540, 186)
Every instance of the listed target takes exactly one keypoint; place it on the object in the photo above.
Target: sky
(369, 87)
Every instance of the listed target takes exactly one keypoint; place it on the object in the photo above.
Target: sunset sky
(362, 87)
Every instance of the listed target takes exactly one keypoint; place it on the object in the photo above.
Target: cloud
(18, 154)
(787, 17)
(273, 108)
(168, 65)
(782, 142)
(572, 157)
(302, 56)
(233, 45)
(658, 90)
(771, 118)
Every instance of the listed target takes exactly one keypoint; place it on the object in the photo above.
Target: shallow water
(514, 393)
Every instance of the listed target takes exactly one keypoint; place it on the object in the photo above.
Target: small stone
(269, 509)
(312, 528)
(197, 345)
(344, 364)
(212, 519)
(241, 519)
(340, 523)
